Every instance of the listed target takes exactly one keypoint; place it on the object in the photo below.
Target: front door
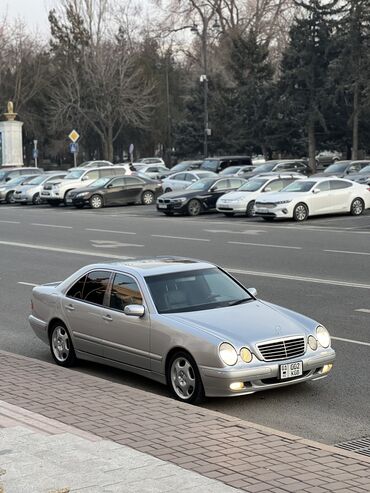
(127, 338)
(321, 201)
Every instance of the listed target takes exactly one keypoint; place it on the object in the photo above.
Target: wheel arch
(53, 322)
(171, 352)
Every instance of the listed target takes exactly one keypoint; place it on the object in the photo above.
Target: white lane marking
(363, 310)
(51, 226)
(27, 284)
(10, 222)
(63, 250)
(361, 343)
(110, 231)
(264, 245)
(245, 232)
(344, 251)
(111, 244)
(299, 278)
(179, 238)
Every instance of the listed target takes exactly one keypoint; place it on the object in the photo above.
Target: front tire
(36, 199)
(10, 198)
(96, 202)
(250, 208)
(184, 379)
(194, 207)
(300, 212)
(357, 207)
(147, 198)
(61, 345)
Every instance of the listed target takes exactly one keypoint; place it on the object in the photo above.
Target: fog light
(312, 342)
(237, 386)
(326, 368)
(246, 355)
(284, 211)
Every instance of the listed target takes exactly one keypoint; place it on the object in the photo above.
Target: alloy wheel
(194, 207)
(357, 207)
(96, 202)
(183, 378)
(148, 198)
(10, 198)
(300, 212)
(36, 199)
(60, 344)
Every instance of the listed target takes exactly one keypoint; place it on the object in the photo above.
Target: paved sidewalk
(237, 453)
(61, 458)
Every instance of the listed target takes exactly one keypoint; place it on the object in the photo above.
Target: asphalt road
(320, 268)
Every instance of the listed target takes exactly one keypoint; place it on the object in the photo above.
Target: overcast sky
(33, 12)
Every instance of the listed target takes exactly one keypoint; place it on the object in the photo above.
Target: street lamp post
(204, 77)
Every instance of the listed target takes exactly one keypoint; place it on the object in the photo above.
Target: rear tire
(61, 345)
(300, 212)
(183, 378)
(357, 207)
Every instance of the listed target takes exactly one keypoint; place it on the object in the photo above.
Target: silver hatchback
(179, 321)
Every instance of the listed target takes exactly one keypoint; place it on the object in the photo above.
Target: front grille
(48, 187)
(265, 205)
(164, 201)
(283, 349)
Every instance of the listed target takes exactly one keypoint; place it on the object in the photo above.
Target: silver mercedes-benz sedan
(179, 321)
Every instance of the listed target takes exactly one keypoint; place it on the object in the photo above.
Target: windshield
(201, 185)
(230, 171)
(202, 289)
(299, 186)
(180, 167)
(252, 185)
(2, 174)
(100, 182)
(364, 170)
(36, 181)
(17, 180)
(336, 168)
(210, 164)
(263, 168)
(75, 174)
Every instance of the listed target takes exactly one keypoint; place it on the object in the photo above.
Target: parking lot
(319, 268)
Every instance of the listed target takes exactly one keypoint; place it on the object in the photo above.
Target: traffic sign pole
(74, 136)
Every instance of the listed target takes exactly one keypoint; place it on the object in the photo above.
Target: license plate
(291, 370)
(263, 211)
(45, 194)
(162, 206)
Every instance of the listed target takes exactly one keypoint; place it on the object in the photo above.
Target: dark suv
(7, 174)
(217, 164)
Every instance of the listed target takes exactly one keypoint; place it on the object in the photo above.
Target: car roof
(227, 157)
(154, 265)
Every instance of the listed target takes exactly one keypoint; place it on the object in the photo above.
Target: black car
(343, 169)
(217, 164)
(183, 166)
(201, 196)
(119, 190)
(280, 166)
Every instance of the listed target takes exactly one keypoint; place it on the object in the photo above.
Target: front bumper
(280, 211)
(235, 208)
(262, 375)
(172, 207)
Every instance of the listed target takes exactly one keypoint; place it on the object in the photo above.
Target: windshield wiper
(239, 302)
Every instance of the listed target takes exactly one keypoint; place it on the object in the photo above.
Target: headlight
(180, 200)
(246, 355)
(312, 342)
(82, 194)
(323, 336)
(2, 189)
(283, 202)
(228, 354)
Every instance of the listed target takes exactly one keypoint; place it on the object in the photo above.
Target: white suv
(55, 193)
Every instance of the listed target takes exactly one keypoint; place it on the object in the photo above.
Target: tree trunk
(107, 145)
(356, 111)
(312, 145)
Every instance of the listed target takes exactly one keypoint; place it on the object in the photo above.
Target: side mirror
(316, 190)
(134, 310)
(253, 292)
(85, 178)
(267, 189)
(110, 185)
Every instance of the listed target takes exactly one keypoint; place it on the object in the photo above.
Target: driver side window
(125, 291)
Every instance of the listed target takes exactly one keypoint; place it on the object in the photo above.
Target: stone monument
(11, 145)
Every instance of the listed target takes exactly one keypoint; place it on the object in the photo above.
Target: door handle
(70, 308)
(108, 318)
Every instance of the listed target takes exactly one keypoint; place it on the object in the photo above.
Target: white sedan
(241, 201)
(314, 196)
(182, 180)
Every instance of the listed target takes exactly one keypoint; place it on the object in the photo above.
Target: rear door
(84, 311)
(133, 188)
(341, 195)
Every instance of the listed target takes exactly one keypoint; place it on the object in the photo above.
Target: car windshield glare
(189, 291)
(15, 181)
(299, 186)
(38, 180)
(252, 185)
(364, 170)
(231, 170)
(336, 168)
(75, 174)
(180, 167)
(263, 168)
(100, 182)
(201, 185)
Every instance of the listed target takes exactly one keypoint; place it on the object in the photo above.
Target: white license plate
(45, 194)
(291, 370)
(162, 206)
(263, 211)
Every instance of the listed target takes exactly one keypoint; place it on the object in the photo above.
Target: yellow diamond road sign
(74, 136)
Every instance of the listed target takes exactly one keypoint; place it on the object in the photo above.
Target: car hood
(86, 189)
(277, 197)
(236, 196)
(249, 323)
(360, 177)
